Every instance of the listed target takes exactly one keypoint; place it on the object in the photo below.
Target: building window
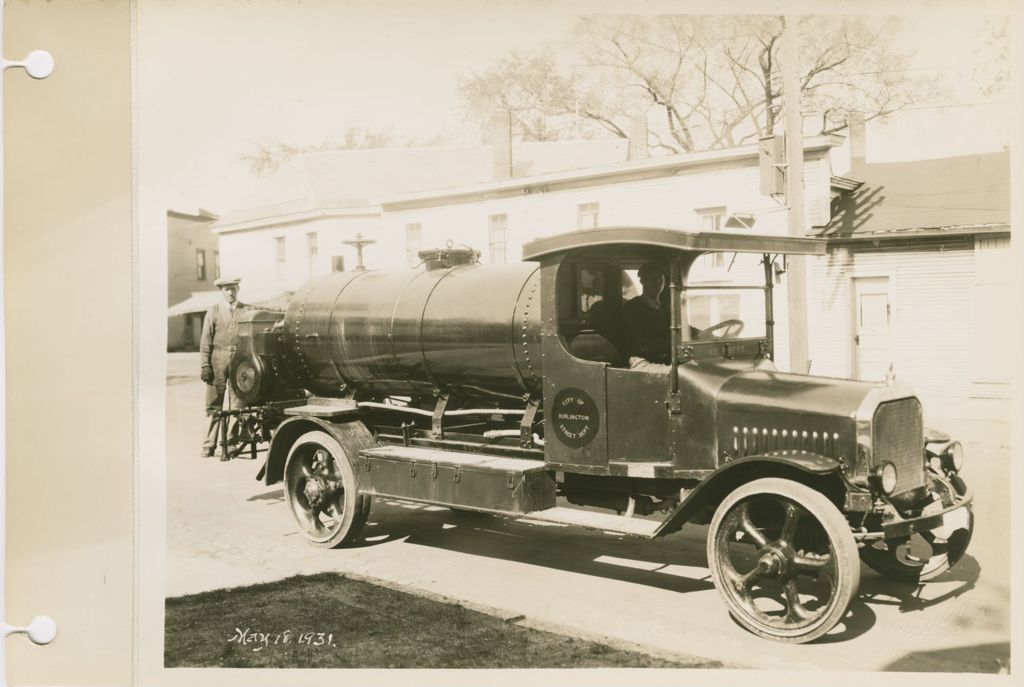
(311, 251)
(712, 219)
(200, 264)
(496, 230)
(216, 264)
(586, 215)
(279, 256)
(413, 242)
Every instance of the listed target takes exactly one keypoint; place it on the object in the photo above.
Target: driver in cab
(647, 324)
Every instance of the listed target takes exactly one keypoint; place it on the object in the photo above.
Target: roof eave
(921, 232)
(670, 163)
(295, 217)
(199, 216)
(845, 183)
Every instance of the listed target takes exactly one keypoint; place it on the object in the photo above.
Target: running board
(606, 522)
(641, 469)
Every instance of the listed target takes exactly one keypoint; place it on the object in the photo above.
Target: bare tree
(991, 73)
(705, 81)
(268, 156)
(540, 95)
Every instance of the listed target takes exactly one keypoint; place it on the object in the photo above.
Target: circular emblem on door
(575, 417)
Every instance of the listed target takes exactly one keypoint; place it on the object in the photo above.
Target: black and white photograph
(568, 335)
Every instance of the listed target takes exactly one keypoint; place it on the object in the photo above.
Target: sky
(215, 78)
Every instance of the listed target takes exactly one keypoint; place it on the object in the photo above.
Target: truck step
(420, 454)
(640, 469)
(511, 486)
(596, 521)
(331, 408)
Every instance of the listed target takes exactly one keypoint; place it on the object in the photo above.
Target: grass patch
(330, 621)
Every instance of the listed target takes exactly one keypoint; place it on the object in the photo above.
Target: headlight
(953, 457)
(887, 478)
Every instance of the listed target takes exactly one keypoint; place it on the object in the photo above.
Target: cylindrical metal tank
(471, 330)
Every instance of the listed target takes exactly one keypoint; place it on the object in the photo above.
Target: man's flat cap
(226, 281)
(650, 269)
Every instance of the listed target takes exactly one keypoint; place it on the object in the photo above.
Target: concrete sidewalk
(183, 365)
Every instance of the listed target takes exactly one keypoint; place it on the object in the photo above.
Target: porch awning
(201, 301)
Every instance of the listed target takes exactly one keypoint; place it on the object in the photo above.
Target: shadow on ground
(680, 566)
(876, 590)
(677, 564)
(981, 658)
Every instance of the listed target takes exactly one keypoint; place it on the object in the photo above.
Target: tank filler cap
(449, 256)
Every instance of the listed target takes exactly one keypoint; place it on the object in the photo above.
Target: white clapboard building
(917, 277)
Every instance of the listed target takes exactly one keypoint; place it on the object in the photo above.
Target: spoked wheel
(322, 492)
(922, 556)
(784, 560)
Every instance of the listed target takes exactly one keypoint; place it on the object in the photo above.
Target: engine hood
(756, 409)
(769, 393)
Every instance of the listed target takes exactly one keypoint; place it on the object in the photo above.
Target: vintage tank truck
(496, 388)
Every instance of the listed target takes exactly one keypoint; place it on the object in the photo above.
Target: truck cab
(614, 412)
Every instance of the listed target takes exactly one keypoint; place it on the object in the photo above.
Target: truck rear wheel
(784, 559)
(322, 493)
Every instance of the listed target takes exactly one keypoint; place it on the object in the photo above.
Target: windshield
(723, 298)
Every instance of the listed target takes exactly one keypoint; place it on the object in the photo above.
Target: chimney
(858, 141)
(638, 137)
(501, 144)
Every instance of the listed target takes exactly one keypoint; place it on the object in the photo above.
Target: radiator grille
(897, 437)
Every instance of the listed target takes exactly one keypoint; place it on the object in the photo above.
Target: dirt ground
(227, 530)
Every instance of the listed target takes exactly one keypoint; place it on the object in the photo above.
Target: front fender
(802, 466)
(351, 433)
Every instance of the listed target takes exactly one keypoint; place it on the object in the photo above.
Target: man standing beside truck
(217, 344)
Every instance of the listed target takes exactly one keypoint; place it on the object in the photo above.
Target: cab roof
(674, 239)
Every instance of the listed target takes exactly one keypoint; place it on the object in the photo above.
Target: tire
(246, 378)
(322, 493)
(919, 558)
(784, 560)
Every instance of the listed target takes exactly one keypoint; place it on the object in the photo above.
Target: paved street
(226, 529)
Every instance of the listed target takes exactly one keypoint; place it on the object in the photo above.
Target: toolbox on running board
(462, 480)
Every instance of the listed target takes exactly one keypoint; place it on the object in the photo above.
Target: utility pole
(796, 271)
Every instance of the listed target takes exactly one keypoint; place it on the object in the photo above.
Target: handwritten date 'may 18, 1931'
(264, 640)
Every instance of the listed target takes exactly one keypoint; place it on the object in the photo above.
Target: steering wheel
(732, 329)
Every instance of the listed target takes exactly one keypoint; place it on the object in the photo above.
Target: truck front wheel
(784, 559)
